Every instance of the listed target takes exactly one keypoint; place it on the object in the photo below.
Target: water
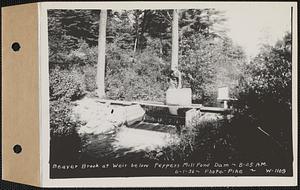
(130, 142)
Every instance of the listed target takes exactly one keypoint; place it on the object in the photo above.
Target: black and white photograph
(171, 92)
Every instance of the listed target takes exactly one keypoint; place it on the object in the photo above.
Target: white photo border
(153, 181)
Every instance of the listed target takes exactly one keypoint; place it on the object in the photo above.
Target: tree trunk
(174, 63)
(161, 48)
(135, 45)
(141, 39)
(100, 80)
(136, 33)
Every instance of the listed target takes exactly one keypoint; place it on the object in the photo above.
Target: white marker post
(223, 96)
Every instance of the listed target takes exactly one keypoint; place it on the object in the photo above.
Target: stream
(131, 142)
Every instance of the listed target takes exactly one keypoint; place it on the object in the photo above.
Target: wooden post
(225, 104)
(100, 80)
(174, 63)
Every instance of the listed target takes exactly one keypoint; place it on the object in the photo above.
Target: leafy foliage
(138, 47)
(209, 63)
(66, 85)
(65, 142)
(265, 93)
(202, 21)
(209, 141)
(143, 79)
(60, 121)
(138, 54)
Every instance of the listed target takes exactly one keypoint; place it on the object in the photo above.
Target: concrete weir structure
(100, 116)
(178, 96)
(176, 115)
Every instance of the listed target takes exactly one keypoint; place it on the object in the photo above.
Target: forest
(139, 48)
(138, 64)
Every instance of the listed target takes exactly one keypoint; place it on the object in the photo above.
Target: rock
(94, 114)
(210, 117)
(106, 127)
(103, 118)
(116, 115)
(134, 113)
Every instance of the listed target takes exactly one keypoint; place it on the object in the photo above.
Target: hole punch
(17, 149)
(112, 111)
(16, 46)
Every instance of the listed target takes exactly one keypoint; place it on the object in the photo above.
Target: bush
(75, 58)
(82, 56)
(65, 142)
(90, 73)
(142, 79)
(66, 85)
(60, 120)
(265, 93)
(208, 63)
(209, 141)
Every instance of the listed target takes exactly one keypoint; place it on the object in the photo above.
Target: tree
(203, 21)
(208, 63)
(206, 58)
(265, 93)
(101, 54)
(175, 38)
(159, 27)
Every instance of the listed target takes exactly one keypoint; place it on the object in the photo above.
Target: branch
(169, 15)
